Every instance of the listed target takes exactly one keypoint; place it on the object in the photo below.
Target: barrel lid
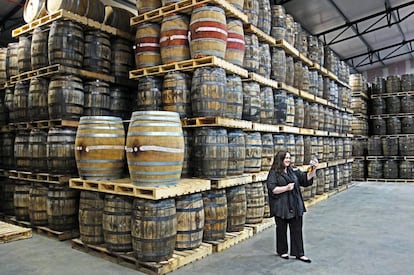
(33, 9)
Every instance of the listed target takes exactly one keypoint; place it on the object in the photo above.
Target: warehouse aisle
(367, 229)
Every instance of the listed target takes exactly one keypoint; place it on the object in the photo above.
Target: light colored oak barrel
(215, 214)
(254, 202)
(147, 5)
(235, 42)
(253, 147)
(174, 45)
(147, 45)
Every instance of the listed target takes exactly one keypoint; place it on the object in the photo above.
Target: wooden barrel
(208, 92)
(65, 51)
(37, 99)
(6, 196)
(407, 82)
(21, 150)
(304, 84)
(210, 152)
(290, 110)
(254, 202)
(406, 169)
(149, 94)
(234, 90)
(37, 150)
(406, 145)
(121, 102)
(237, 152)
(62, 207)
(251, 53)
(251, 101)
(290, 31)
(91, 206)
(39, 48)
(215, 214)
(99, 147)
(407, 125)
(235, 48)
(7, 150)
(339, 148)
(175, 96)
(278, 22)
(38, 204)
(153, 229)
(268, 152)
(97, 99)
(144, 6)
(378, 126)
(280, 106)
(97, 53)
(155, 148)
(190, 221)
(299, 150)
(290, 146)
(236, 208)
(313, 82)
(65, 97)
(307, 145)
(265, 60)
(266, 213)
(237, 3)
(279, 142)
(3, 65)
(347, 148)
(118, 18)
(326, 180)
(116, 223)
(390, 146)
(34, 9)
(378, 106)
(23, 54)
(12, 61)
(299, 112)
(393, 84)
(393, 105)
(359, 147)
(321, 117)
(407, 104)
(253, 161)
(358, 169)
(267, 110)
(21, 200)
(147, 47)
(390, 169)
(289, 71)
(375, 169)
(174, 45)
(208, 32)
(313, 48)
(320, 187)
(298, 74)
(321, 151)
(20, 101)
(122, 57)
(393, 126)
(60, 150)
(278, 64)
(187, 170)
(264, 22)
(378, 86)
(69, 5)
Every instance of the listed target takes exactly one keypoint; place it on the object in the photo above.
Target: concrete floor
(367, 229)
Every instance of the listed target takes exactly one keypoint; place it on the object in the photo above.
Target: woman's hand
(290, 186)
(281, 189)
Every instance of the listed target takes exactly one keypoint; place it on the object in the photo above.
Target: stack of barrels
(391, 126)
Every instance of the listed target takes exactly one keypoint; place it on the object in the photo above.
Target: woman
(286, 203)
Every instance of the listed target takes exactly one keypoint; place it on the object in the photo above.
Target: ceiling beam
(385, 58)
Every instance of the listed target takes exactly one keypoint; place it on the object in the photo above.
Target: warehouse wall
(397, 68)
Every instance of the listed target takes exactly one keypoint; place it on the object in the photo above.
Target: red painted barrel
(174, 44)
(235, 42)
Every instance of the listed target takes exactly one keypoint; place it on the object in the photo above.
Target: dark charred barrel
(359, 147)
(375, 169)
(391, 169)
(254, 202)
(406, 145)
(65, 51)
(251, 53)
(62, 207)
(406, 169)
(236, 46)
(23, 54)
(278, 22)
(378, 126)
(121, 102)
(378, 86)
(265, 60)
(174, 44)
(390, 146)
(237, 152)
(393, 84)
(7, 150)
(97, 99)
(37, 100)
(118, 18)
(251, 101)
(8, 103)
(358, 169)
(38, 151)
(234, 90)
(300, 150)
(6, 196)
(175, 96)
(267, 110)
(378, 106)
(236, 208)
(374, 146)
(407, 104)
(278, 64)
(149, 94)
(12, 61)
(280, 106)
(407, 82)
(253, 147)
(187, 170)
(144, 6)
(21, 200)
(38, 204)
(208, 92)
(190, 221)
(211, 152)
(21, 150)
(122, 57)
(91, 206)
(39, 48)
(407, 125)
(215, 214)
(393, 105)
(147, 47)
(290, 71)
(299, 112)
(65, 97)
(116, 223)
(268, 152)
(20, 101)
(97, 53)
(393, 126)
(61, 151)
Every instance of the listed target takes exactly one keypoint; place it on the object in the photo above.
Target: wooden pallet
(7, 128)
(59, 69)
(308, 132)
(217, 121)
(264, 81)
(231, 181)
(261, 176)
(189, 65)
(321, 100)
(320, 133)
(401, 115)
(45, 124)
(259, 127)
(393, 94)
(390, 158)
(38, 177)
(260, 227)
(358, 179)
(390, 180)
(60, 235)
(289, 129)
(307, 96)
(336, 162)
(11, 232)
(63, 14)
(262, 36)
(288, 89)
(359, 94)
(186, 6)
(178, 259)
(231, 239)
(125, 187)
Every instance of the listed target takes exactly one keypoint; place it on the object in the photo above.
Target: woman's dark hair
(278, 161)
